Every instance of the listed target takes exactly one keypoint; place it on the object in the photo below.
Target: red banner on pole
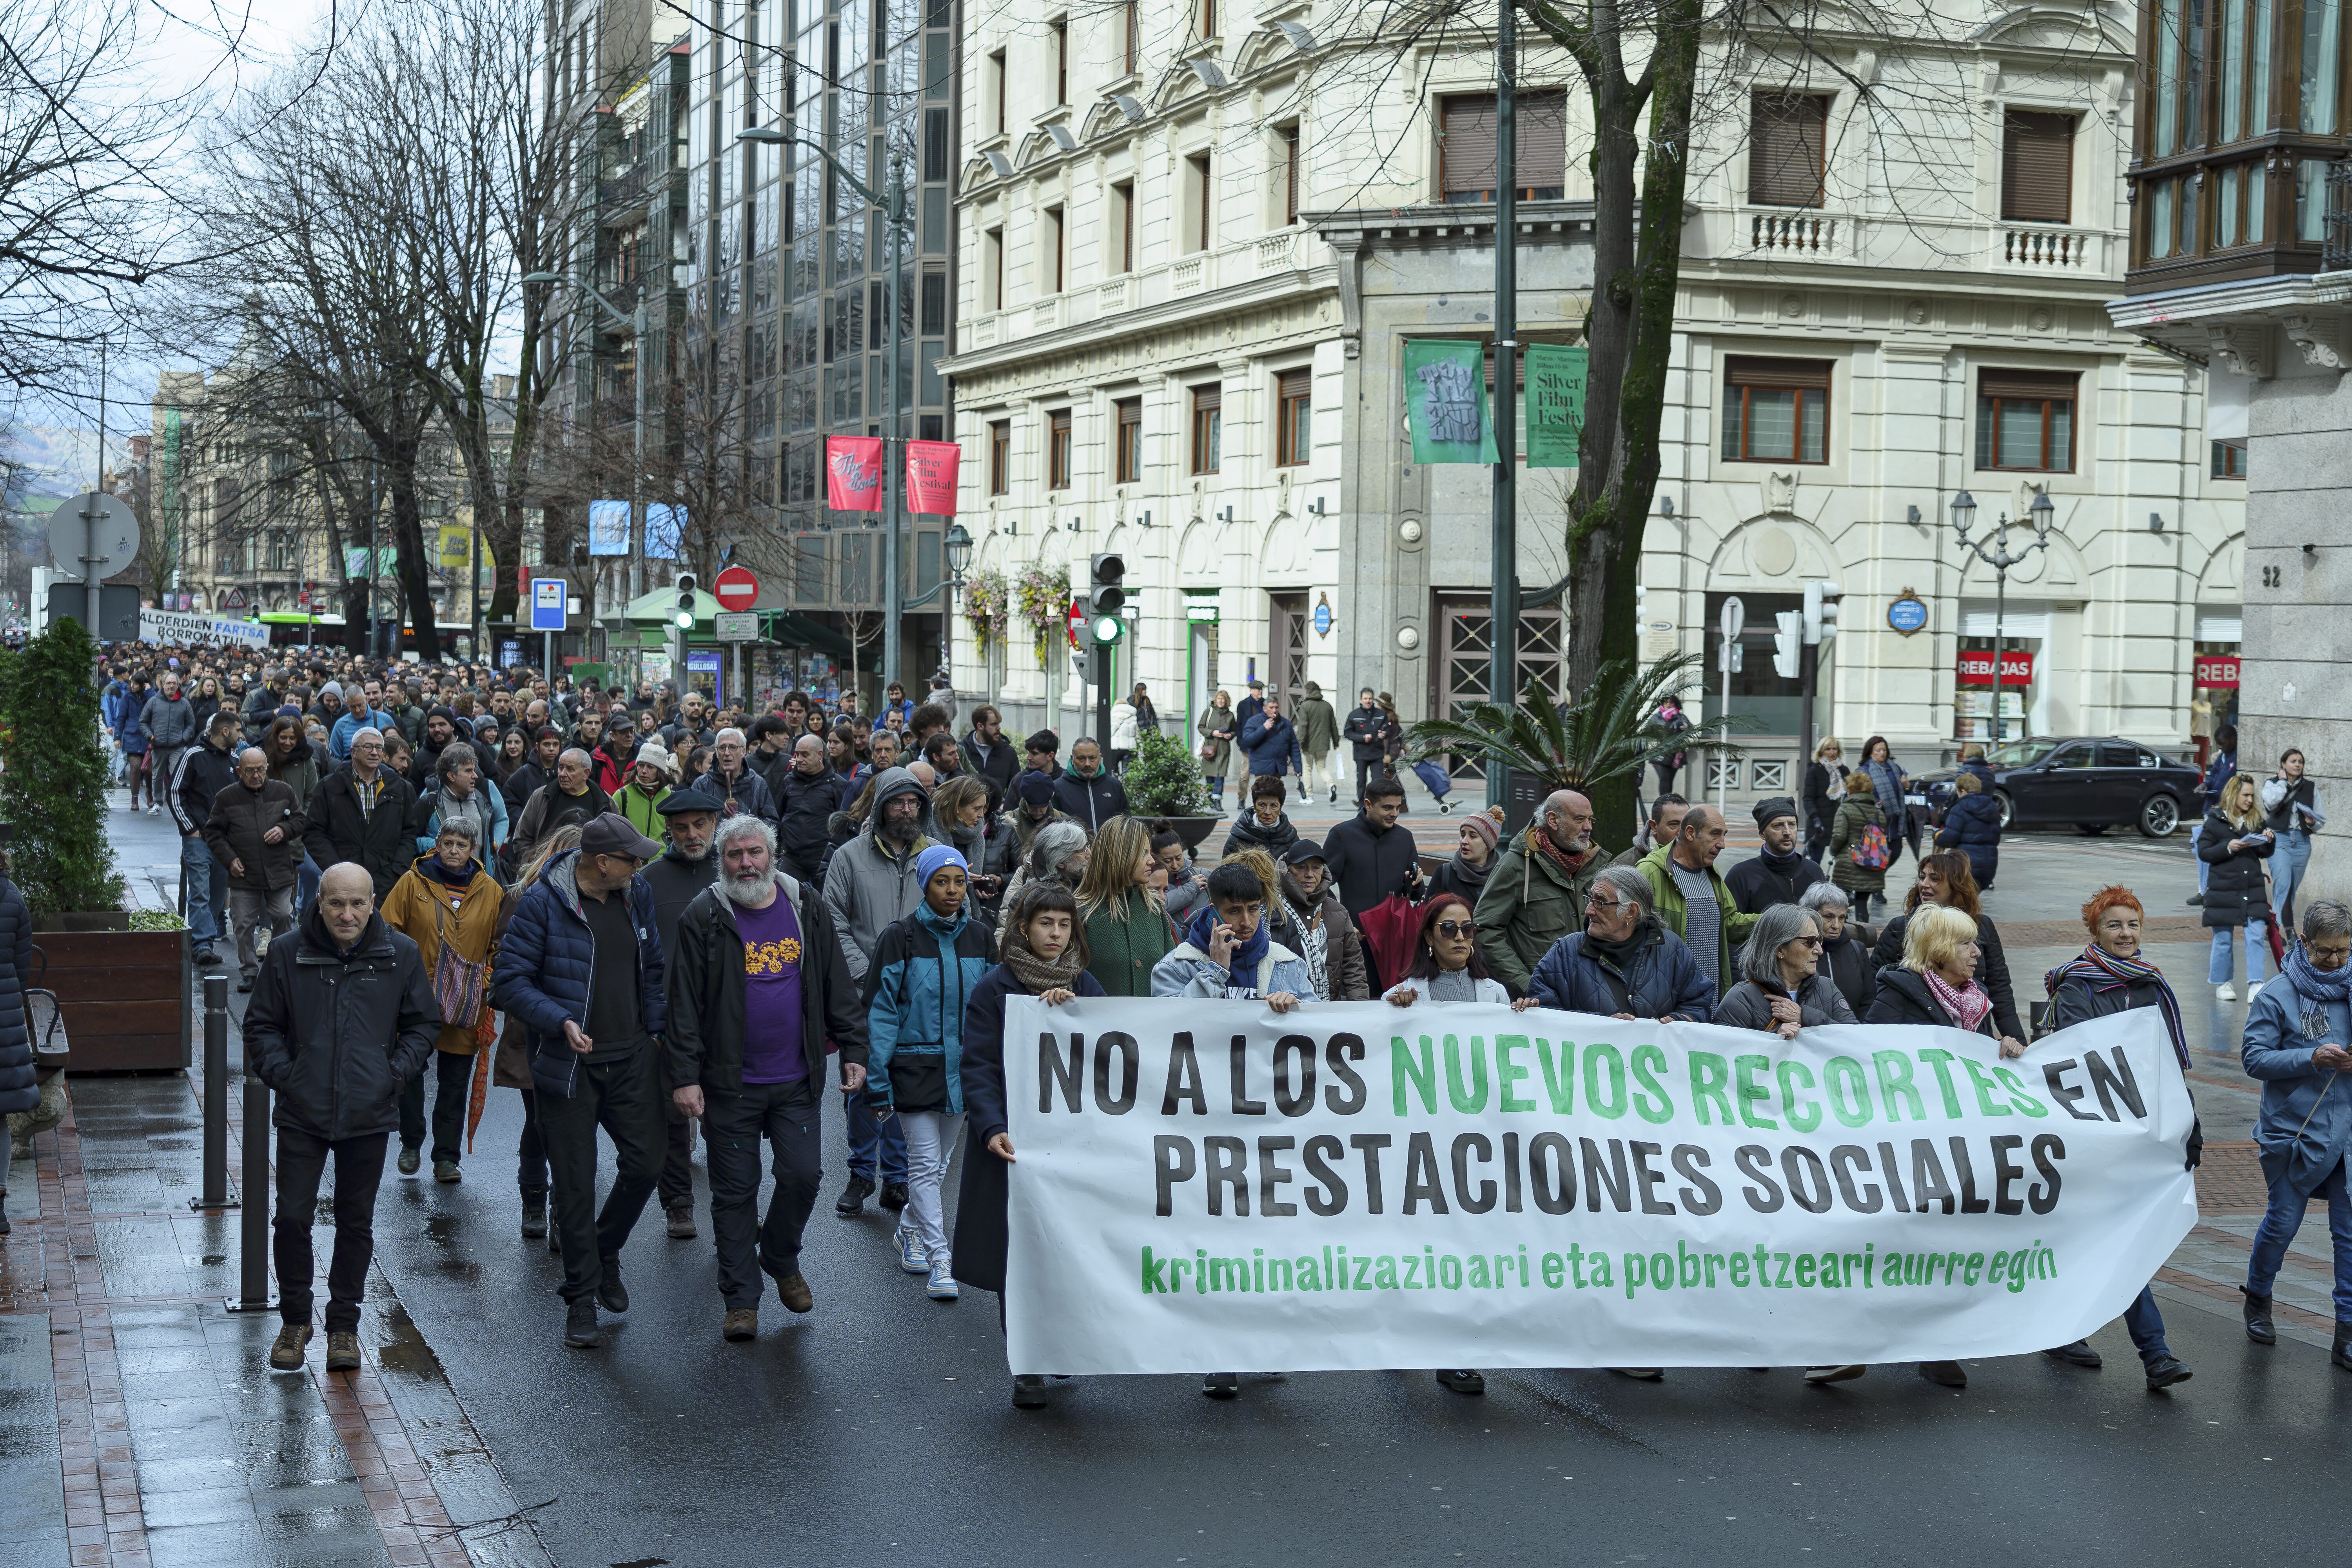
(853, 473)
(2016, 667)
(931, 478)
(2217, 669)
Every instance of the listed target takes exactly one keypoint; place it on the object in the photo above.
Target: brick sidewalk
(169, 1440)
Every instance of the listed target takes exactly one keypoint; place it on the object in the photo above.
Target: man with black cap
(581, 965)
(685, 869)
(1036, 808)
(1781, 872)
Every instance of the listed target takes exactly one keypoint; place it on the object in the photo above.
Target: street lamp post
(896, 222)
(636, 322)
(958, 547)
(1964, 517)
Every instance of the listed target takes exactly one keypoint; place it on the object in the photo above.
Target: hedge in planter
(53, 791)
(1163, 780)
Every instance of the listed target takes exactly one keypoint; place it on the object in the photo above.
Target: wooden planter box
(124, 997)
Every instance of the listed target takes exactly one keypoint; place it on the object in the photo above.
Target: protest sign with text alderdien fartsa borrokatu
(1207, 1184)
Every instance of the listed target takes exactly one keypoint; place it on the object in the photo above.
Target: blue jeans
(305, 888)
(2204, 869)
(868, 1136)
(2145, 1326)
(2278, 1226)
(207, 882)
(2218, 971)
(2287, 863)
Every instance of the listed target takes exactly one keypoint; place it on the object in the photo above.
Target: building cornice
(1125, 325)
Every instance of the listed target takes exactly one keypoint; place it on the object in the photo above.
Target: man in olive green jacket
(1692, 853)
(1319, 738)
(1535, 895)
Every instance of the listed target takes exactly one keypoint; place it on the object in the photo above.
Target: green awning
(660, 603)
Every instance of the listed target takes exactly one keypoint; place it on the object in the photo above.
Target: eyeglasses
(1604, 904)
(1454, 928)
(1808, 940)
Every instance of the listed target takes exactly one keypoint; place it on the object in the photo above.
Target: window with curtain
(1000, 457)
(1294, 422)
(1057, 449)
(1208, 427)
(1776, 410)
(1129, 450)
(2025, 420)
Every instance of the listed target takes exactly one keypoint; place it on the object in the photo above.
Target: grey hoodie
(865, 888)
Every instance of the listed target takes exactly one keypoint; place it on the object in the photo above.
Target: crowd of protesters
(650, 916)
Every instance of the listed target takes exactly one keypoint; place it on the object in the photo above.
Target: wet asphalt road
(877, 1429)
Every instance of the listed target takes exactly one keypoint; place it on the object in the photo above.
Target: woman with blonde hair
(1936, 983)
(2233, 843)
(1125, 927)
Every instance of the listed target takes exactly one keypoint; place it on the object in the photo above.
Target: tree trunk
(410, 561)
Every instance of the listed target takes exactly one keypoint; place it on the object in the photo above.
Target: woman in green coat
(1127, 930)
(1858, 811)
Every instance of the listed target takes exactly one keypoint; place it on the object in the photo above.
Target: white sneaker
(2224, 994)
(942, 1285)
(911, 1255)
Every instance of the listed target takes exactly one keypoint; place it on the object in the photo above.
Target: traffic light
(1106, 593)
(684, 617)
(1822, 611)
(1788, 625)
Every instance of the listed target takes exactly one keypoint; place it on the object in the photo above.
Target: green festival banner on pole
(1556, 378)
(1445, 402)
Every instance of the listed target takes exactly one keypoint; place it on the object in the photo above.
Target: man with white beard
(756, 985)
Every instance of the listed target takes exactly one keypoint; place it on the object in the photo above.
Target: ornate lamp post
(2000, 559)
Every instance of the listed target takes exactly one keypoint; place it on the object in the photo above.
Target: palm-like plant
(1612, 732)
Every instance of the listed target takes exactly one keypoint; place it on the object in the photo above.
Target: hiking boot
(1029, 1392)
(1945, 1373)
(2165, 1371)
(446, 1173)
(681, 1223)
(293, 1341)
(1222, 1386)
(343, 1351)
(2079, 1353)
(894, 1195)
(852, 1201)
(793, 1291)
(742, 1323)
(409, 1160)
(580, 1325)
(534, 1214)
(1845, 1373)
(611, 1294)
(1461, 1382)
(2259, 1327)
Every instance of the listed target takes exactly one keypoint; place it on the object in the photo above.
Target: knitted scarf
(2103, 972)
(1541, 841)
(1968, 1003)
(1241, 971)
(1035, 974)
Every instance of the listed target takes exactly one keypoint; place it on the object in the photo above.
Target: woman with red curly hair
(2110, 977)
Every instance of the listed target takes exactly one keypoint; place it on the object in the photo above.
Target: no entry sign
(735, 588)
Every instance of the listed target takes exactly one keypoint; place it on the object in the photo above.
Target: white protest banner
(1208, 1185)
(182, 626)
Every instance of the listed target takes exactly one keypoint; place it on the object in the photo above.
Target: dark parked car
(2095, 782)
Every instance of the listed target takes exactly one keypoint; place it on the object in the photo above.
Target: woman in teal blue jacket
(925, 967)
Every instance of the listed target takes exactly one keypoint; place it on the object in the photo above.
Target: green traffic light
(686, 620)
(1109, 628)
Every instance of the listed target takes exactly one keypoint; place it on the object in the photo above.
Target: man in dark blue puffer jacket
(581, 968)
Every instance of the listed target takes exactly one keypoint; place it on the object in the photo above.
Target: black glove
(2196, 1146)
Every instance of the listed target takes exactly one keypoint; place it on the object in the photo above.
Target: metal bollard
(253, 1247)
(215, 1193)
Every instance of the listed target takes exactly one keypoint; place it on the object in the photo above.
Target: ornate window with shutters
(1776, 410)
(2037, 167)
(1787, 149)
(1294, 422)
(1466, 156)
(2025, 420)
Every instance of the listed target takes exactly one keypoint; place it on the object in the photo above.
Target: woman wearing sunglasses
(1446, 965)
(1781, 988)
